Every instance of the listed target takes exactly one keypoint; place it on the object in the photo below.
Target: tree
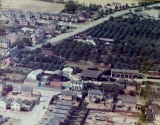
(70, 6)
(9, 87)
(132, 93)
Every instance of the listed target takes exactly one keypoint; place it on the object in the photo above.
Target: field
(104, 2)
(32, 5)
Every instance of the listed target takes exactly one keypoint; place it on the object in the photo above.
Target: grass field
(32, 5)
(104, 2)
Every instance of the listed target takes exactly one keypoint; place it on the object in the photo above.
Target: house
(12, 37)
(74, 18)
(18, 13)
(124, 73)
(3, 103)
(37, 15)
(16, 105)
(85, 14)
(52, 25)
(38, 36)
(68, 71)
(95, 94)
(26, 91)
(90, 75)
(2, 86)
(153, 114)
(23, 21)
(55, 17)
(66, 95)
(4, 42)
(63, 117)
(76, 84)
(91, 40)
(109, 100)
(46, 16)
(63, 107)
(126, 102)
(28, 15)
(33, 22)
(64, 18)
(56, 85)
(31, 82)
(36, 74)
(51, 121)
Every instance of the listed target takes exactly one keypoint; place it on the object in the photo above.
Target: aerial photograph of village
(79, 62)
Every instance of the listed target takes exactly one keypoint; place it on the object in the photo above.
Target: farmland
(32, 5)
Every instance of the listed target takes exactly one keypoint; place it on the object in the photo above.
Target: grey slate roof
(91, 73)
(76, 81)
(124, 71)
(4, 99)
(19, 101)
(66, 93)
(63, 107)
(129, 100)
(60, 111)
(26, 88)
(65, 103)
(95, 92)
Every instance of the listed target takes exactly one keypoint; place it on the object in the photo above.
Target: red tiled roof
(47, 52)
(56, 85)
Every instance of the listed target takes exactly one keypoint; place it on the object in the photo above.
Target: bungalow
(47, 53)
(23, 21)
(66, 95)
(94, 94)
(153, 114)
(46, 16)
(18, 13)
(33, 22)
(74, 18)
(55, 17)
(28, 15)
(26, 91)
(64, 18)
(76, 85)
(12, 20)
(3, 103)
(124, 73)
(126, 102)
(37, 15)
(90, 74)
(16, 105)
(4, 42)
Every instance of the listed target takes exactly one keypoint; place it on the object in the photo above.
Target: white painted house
(76, 85)
(3, 103)
(16, 105)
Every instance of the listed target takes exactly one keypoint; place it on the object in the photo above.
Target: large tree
(70, 6)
